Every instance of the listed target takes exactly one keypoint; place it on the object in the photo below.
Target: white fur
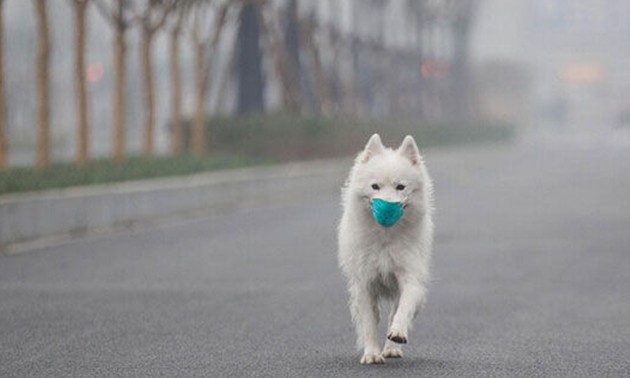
(380, 263)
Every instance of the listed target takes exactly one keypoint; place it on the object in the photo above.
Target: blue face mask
(386, 213)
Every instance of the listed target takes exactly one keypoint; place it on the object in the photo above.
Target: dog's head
(384, 176)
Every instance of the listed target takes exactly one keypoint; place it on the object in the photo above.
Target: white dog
(385, 242)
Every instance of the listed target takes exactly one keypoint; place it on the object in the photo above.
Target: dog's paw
(369, 359)
(390, 352)
(397, 336)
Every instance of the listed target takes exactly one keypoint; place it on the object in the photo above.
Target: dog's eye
(400, 187)
(375, 187)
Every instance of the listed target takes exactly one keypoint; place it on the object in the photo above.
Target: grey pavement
(532, 279)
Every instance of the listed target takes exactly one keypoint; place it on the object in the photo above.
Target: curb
(34, 220)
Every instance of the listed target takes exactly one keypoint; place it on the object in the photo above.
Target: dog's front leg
(365, 314)
(412, 297)
(392, 349)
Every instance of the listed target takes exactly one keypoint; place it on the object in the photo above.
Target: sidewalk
(32, 220)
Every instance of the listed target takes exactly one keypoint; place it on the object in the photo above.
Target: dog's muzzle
(386, 213)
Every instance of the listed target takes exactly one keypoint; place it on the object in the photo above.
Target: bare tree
(205, 43)
(177, 132)
(421, 15)
(118, 14)
(344, 70)
(309, 30)
(80, 35)
(42, 158)
(3, 138)
(276, 45)
(151, 19)
(463, 13)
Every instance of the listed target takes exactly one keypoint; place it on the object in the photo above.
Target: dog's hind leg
(364, 310)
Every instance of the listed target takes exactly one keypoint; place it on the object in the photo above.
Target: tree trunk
(324, 101)
(291, 96)
(120, 52)
(295, 51)
(225, 79)
(249, 62)
(198, 135)
(460, 91)
(149, 100)
(176, 93)
(42, 158)
(81, 86)
(351, 82)
(203, 75)
(3, 138)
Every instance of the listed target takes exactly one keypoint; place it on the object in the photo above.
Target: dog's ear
(409, 149)
(373, 147)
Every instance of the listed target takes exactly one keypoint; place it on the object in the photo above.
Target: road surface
(532, 279)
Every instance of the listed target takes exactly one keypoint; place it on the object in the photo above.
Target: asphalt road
(532, 279)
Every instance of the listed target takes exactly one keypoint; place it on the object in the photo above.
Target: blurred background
(92, 79)
(521, 108)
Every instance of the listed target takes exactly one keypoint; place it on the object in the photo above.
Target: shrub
(286, 137)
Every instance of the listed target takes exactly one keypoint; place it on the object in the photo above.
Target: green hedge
(61, 175)
(285, 137)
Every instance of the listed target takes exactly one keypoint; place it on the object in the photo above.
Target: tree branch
(105, 11)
